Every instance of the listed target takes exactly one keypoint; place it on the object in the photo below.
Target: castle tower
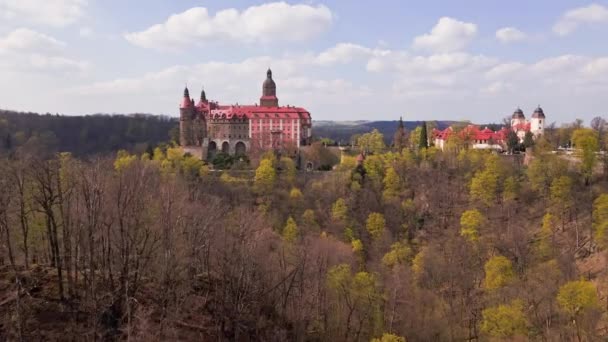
(199, 127)
(269, 92)
(518, 123)
(186, 110)
(537, 124)
(518, 118)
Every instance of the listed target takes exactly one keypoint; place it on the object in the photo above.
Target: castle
(497, 140)
(207, 128)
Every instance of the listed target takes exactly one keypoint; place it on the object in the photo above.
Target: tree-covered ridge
(84, 135)
(414, 244)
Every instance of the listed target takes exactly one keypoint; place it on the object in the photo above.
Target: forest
(409, 243)
(85, 135)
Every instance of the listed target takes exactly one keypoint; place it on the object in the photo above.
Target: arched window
(212, 150)
(240, 148)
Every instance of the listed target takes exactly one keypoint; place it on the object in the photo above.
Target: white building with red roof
(488, 139)
(208, 127)
(473, 136)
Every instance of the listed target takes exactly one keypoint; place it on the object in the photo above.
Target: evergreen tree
(528, 140)
(424, 140)
(512, 141)
(400, 138)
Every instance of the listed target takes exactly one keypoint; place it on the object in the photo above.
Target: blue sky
(342, 60)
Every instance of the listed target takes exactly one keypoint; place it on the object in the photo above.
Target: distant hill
(342, 131)
(84, 135)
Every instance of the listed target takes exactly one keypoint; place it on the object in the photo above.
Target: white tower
(537, 124)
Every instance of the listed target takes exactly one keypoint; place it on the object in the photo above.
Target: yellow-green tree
(265, 176)
(499, 272)
(375, 225)
(290, 232)
(309, 220)
(123, 160)
(505, 321)
(339, 210)
(561, 193)
(543, 169)
(289, 169)
(484, 185)
(470, 222)
(415, 137)
(600, 220)
(398, 254)
(392, 184)
(510, 189)
(359, 251)
(295, 194)
(386, 337)
(576, 298)
(358, 302)
(586, 142)
(545, 244)
(190, 166)
(374, 168)
(418, 263)
(372, 142)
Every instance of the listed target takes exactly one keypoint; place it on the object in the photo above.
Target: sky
(472, 60)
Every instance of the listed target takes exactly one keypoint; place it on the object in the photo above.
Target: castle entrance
(212, 150)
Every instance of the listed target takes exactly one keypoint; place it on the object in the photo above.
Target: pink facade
(265, 126)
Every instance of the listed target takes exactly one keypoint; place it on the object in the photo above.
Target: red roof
(474, 133)
(522, 127)
(259, 112)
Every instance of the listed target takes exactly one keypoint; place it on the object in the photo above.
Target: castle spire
(186, 99)
(203, 95)
(269, 92)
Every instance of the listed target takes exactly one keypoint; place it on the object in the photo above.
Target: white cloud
(448, 35)
(495, 88)
(572, 19)
(504, 70)
(56, 64)
(597, 68)
(346, 53)
(23, 39)
(451, 85)
(265, 23)
(560, 64)
(85, 32)
(510, 35)
(56, 13)
(25, 50)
